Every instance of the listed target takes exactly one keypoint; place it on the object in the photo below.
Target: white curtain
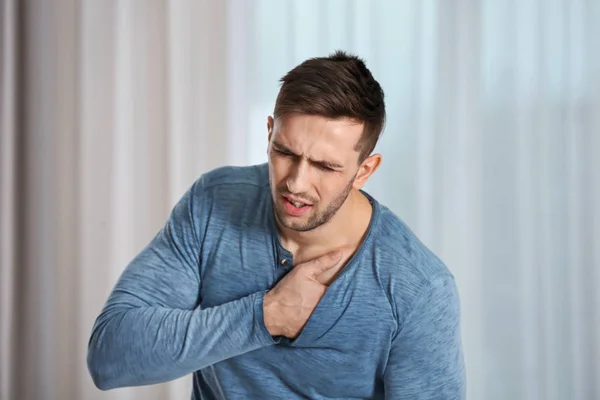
(110, 109)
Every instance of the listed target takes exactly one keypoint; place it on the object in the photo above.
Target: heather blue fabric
(191, 302)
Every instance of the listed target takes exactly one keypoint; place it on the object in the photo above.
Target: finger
(324, 262)
(329, 275)
(326, 278)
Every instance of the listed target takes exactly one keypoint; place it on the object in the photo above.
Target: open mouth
(294, 207)
(297, 204)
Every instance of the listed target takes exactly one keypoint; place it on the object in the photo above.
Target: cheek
(279, 169)
(329, 187)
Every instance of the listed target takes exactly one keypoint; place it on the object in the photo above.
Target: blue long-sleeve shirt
(192, 302)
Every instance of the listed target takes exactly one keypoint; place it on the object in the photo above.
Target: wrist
(269, 313)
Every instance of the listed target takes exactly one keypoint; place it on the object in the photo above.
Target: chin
(294, 223)
(289, 220)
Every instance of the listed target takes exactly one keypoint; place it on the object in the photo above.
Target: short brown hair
(336, 86)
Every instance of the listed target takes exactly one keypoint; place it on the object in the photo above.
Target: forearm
(132, 346)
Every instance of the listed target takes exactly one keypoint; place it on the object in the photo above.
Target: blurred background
(111, 109)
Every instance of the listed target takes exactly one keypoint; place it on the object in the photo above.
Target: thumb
(324, 262)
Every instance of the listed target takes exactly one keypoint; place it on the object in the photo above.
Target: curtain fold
(8, 145)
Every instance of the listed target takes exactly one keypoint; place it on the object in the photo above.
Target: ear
(270, 126)
(366, 169)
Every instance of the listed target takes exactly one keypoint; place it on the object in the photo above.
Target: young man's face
(313, 166)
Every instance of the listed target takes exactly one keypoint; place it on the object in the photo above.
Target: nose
(299, 179)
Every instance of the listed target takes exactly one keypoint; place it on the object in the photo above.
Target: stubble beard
(317, 219)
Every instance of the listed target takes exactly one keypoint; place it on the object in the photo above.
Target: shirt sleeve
(151, 328)
(426, 359)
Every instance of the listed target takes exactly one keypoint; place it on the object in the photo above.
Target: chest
(236, 264)
(346, 339)
(341, 353)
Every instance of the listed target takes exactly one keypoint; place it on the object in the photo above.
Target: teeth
(297, 204)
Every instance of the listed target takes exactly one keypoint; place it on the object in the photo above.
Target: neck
(346, 227)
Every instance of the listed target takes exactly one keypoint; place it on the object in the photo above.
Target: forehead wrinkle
(312, 132)
(330, 163)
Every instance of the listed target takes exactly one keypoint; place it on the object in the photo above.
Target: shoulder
(411, 271)
(404, 251)
(224, 190)
(254, 175)
(233, 182)
(231, 197)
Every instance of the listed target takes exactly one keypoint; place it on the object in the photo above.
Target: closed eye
(324, 168)
(284, 153)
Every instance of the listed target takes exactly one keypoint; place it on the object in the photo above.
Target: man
(286, 280)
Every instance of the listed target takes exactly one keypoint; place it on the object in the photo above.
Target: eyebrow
(328, 164)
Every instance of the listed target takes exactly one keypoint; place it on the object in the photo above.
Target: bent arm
(152, 329)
